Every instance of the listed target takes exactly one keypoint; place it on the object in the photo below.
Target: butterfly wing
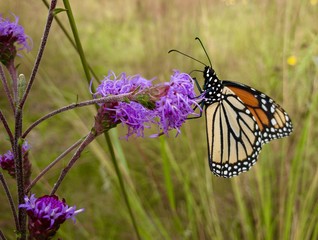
(271, 118)
(233, 136)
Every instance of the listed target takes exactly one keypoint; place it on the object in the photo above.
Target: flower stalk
(132, 96)
(2, 236)
(40, 52)
(6, 88)
(6, 127)
(19, 171)
(45, 170)
(11, 202)
(14, 79)
(89, 138)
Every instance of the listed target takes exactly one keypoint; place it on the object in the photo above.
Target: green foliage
(172, 192)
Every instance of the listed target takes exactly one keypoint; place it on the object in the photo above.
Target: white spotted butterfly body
(239, 120)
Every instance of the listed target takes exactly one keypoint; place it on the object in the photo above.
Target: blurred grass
(171, 189)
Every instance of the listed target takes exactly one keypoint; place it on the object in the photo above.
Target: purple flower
(135, 116)
(7, 162)
(12, 34)
(174, 108)
(121, 84)
(132, 114)
(46, 214)
(166, 105)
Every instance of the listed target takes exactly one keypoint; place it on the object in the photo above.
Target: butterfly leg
(197, 84)
(201, 104)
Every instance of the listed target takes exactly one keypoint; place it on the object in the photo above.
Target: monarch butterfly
(239, 120)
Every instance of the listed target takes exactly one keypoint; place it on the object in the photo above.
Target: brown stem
(89, 138)
(114, 98)
(45, 170)
(7, 128)
(10, 199)
(2, 236)
(14, 78)
(6, 88)
(18, 161)
(40, 53)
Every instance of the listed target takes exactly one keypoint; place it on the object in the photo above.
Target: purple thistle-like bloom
(174, 108)
(121, 84)
(7, 162)
(173, 102)
(46, 214)
(12, 34)
(135, 116)
(132, 114)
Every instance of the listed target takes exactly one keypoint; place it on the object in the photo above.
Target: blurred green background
(172, 192)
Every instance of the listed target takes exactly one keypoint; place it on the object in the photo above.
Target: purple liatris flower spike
(7, 162)
(174, 108)
(46, 214)
(11, 35)
(132, 114)
(166, 104)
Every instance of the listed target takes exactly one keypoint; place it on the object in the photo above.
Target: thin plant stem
(121, 184)
(77, 38)
(7, 128)
(2, 236)
(6, 88)
(114, 98)
(40, 53)
(89, 138)
(45, 170)
(110, 146)
(78, 47)
(18, 160)
(14, 78)
(11, 202)
(69, 38)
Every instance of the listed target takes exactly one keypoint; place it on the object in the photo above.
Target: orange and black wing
(238, 126)
(272, 119)
(233, 135)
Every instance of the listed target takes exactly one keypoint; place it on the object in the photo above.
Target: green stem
(110, 146)
(77, 39)
(121, 183)
(69, 37)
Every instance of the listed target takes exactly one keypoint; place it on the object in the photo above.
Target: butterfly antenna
(195, 70)
(204, 50)
(174, 50)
